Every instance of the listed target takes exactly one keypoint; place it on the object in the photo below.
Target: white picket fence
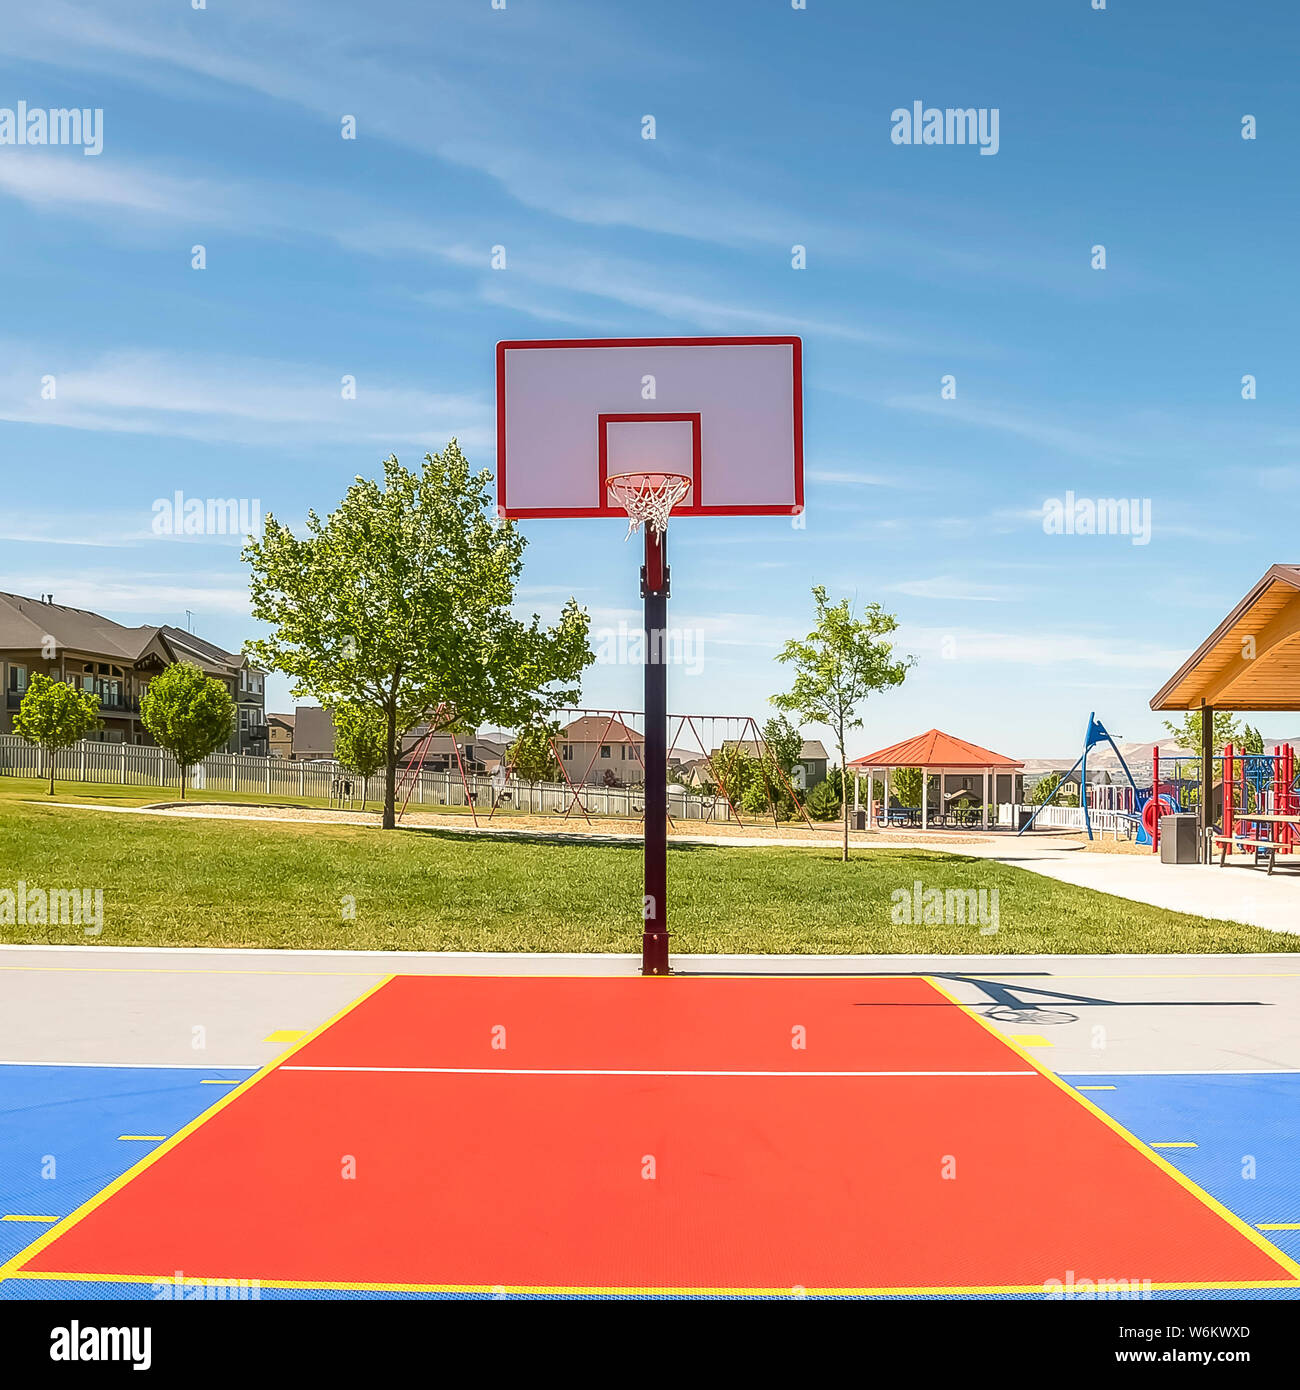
(1111, 823)
(136, 765)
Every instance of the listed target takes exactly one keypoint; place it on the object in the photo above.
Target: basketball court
(701, 1135)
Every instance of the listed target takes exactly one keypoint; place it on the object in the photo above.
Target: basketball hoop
(647, 497)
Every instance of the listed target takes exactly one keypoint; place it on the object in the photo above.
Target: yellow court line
(1173, 1144)
(631, 1290)
(14, 1264)
(1278, 1226)
(152, 1138)
(284, 1035)
(16, 1217)
(211, 1081)
(1233, 1220)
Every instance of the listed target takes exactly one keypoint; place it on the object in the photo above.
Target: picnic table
(1259, 843)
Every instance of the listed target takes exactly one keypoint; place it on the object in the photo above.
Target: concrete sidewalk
(1237, 893)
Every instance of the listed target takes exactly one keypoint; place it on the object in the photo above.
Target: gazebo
(938, 754)
(1251, 661)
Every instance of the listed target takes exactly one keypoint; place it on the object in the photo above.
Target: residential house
(597, 749)
(313, 733)
(116, 663)
(280, 731)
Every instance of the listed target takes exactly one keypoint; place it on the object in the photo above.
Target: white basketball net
(647, 497)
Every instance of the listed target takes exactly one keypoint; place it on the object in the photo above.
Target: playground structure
(1254, 796)
(697, 738)
(1132, 806)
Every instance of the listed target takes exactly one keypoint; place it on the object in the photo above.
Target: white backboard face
(728, 412)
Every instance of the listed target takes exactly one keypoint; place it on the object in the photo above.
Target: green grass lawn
(110, 794)
(212, 883)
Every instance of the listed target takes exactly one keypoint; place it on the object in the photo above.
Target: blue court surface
(68, 1131)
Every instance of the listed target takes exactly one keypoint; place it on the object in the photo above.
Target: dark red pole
(1155, 797)
(654, 590)
(1227, 792)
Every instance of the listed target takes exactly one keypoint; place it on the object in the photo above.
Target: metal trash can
(860, 819)
(1178, 839)
(1023, 818)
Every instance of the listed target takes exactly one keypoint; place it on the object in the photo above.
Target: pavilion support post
(886, 826)
(984, 801)
(871, 799)
(925, 798)
(1204, 820)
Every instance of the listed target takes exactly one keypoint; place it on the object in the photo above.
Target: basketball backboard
(727, 412)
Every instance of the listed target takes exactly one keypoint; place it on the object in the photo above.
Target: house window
(17, 678)
(604, 750)
(568, 752)
(469, 752)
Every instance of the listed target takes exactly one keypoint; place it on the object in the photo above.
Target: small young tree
(532, 756)
(187, 713)
(841, 661)
(359, 742)
(784, 743)
(402, 601)
(823, 802)
(54, 715)
(905, 783)
(1252, 741)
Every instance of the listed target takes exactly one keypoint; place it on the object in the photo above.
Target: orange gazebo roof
(935, 749)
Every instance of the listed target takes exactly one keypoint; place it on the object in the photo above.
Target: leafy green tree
(784, 743)
(1188, 730)
(187, 713)
(841, 661)
(1045, 788)
(54, 715)
(401, 601)
(905, 784)
(532, 755)
(823, 802)
(359, 742)
(1252, 741)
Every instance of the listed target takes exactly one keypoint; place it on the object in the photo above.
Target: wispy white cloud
(955, 587)
(1039, 648)
(109, 592)
(238, 400)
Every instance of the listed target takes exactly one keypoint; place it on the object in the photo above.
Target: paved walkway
(1238, 893)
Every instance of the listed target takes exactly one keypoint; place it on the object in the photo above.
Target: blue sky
(522, 127)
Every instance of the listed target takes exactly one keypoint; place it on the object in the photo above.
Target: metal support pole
(1205, 820)
(654, 590)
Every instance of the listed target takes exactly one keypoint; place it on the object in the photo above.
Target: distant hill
(1136, 755)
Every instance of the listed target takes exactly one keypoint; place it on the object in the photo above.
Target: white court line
(151, 1066)
(1191, 1071)
(606, 1071)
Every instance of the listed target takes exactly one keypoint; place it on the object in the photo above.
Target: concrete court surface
(213, 1008)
